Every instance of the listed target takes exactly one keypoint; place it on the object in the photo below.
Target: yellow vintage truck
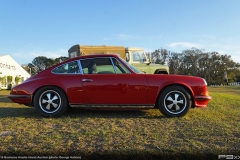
(134, 56)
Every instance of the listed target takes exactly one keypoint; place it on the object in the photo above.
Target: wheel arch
(181, 85)
(161, 71)
(34, 93)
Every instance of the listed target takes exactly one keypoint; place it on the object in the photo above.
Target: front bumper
(202, 101)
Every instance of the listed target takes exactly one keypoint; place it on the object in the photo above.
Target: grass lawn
(201, 134)
(3, 96)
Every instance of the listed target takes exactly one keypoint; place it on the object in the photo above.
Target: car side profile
(108, 82)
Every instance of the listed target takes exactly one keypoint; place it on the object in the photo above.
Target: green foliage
(9, 79)
(40, 63)
(9, 82)
(60, 59)
(17, 79)
(160, 56)
(25, 67)
(196, 62)
(3, 80)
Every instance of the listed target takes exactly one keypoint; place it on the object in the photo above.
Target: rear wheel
(174, 101)
(50, 102)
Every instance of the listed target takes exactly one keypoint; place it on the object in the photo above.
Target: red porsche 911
(108, 82)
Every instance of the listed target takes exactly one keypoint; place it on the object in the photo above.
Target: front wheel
(174, 101)
(50, 102)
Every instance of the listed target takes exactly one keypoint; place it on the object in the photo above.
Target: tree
(60, 59)
(9, 82)
(17, 79)
(25, 67)
(3, 81)
(32, 69)
(175, 60)
(208, 65)
(159, 56)
(40, 63)
(192, 57)
(9, 79)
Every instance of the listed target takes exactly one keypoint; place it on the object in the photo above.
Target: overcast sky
(31, 28)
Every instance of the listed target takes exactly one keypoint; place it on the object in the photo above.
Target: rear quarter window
(70, 67)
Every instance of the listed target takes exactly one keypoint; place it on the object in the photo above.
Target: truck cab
(138, 58)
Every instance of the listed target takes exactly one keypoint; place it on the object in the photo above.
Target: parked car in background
(108, 82)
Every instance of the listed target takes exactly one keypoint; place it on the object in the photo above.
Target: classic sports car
(108, 82)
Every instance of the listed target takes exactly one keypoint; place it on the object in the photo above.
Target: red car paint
(91, 90)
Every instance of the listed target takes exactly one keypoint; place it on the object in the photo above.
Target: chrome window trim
(126, 64)
(114, 67)
(80, 67)
(129, 72)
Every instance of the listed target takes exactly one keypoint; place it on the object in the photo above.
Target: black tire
(162, 72)
(174, 101)
(50, 102)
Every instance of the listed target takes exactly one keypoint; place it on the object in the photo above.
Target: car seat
(92, 68)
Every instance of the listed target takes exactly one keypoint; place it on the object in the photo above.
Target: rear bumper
(21, 99)
(202, 101)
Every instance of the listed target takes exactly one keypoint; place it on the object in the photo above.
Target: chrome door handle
(87, 80)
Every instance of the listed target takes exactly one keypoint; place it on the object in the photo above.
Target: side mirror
(149, 61)
(127, 57)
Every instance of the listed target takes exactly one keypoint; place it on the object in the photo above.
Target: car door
(69, 79)
(103, 83)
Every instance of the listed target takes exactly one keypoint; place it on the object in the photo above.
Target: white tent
(9, 67)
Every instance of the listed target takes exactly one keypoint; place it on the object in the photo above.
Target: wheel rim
(49, 101)
(175, 102)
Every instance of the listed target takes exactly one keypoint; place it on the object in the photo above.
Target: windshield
(130, 66)
(138, 56)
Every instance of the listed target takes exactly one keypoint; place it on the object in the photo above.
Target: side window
(135, 56)
(70, 67)
(97, 66)
(73, 54)
(120, 68)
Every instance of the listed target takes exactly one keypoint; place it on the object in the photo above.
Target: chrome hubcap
(50, 101)
(175, 102)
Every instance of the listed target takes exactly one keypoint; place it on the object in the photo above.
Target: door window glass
(97, 66)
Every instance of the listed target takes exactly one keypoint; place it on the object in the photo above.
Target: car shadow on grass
(5, 99)
(84, 113)
(30, 112)
(18, 112)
